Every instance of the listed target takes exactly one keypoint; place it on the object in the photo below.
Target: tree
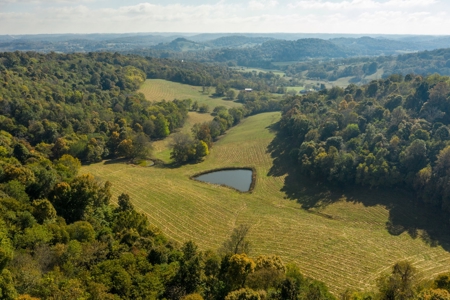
(237, 243)
(240, 266)
(81, 231)
(141, 146)
(94, 150)
(183, 148)
(60, 148)
(161, 126)
(243, 294)
(125, 148)
(43, 210)
(125, 202)
(73, 200)
(202, 132)
(414, 158)
(399, 285)
(201, 150)
(288, 290)
(6, 248)
(7, 289)
(67, 167)
(434, 294)
(231, 94)
(351, 131)
(189, 273)
(269, 272)
(220, 90)
(195, 106)
(21, 152)
(204, 108)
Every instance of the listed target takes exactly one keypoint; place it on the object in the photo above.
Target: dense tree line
(391, 132)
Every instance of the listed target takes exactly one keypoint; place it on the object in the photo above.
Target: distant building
(303, 92)
(248, 90)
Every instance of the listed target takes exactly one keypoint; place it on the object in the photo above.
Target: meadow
(257, 70)
(341, 240)
(159, 89)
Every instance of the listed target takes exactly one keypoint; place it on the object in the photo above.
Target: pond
(239, 179)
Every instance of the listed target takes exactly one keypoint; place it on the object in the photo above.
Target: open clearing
(257, 70)
(345, 244)
(159, 89)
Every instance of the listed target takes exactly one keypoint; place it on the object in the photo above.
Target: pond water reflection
(240, 179)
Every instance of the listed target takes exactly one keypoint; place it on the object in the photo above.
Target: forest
(390, 133)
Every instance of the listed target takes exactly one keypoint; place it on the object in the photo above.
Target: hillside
(345, 244)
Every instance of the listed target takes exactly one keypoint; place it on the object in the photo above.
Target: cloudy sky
(300, 16)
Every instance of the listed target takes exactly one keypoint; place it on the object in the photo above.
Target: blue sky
(305, 16)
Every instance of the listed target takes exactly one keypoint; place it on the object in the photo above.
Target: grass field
(295, 88)
(344, 244)
(158, 89)
(257, 70)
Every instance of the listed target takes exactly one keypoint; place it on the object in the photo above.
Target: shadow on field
(116, 161)
(406, 212)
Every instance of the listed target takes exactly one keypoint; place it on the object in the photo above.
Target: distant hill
(371, 46)
(237, 41)
(181, 45)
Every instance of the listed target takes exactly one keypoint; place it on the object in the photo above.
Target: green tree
(231, 94)
(67, 167)
(204, 108)
(7, 289)
(183, 148)
(126, 148)
(220, 90)
(141, 146)
(81, 231)
(82, 195)
(43, 210)
(6, 248)
(125, 202)
(399, 285)
(243, 294)
(195, 106)
(161, 126)
(240, 266)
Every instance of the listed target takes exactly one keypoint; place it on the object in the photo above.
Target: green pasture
(159, 89)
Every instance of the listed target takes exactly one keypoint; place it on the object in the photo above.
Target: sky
(196, 16)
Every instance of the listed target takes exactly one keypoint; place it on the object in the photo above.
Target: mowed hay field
(346, 244)
(159, 89)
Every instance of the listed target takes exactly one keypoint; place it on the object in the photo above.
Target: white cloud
(360, 4)
(261, 5)
(333, 17)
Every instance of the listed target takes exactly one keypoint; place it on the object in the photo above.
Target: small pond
(240, 179)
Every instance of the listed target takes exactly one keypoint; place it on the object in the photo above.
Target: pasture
(341, 240)
(257, 70)
(159, 89)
